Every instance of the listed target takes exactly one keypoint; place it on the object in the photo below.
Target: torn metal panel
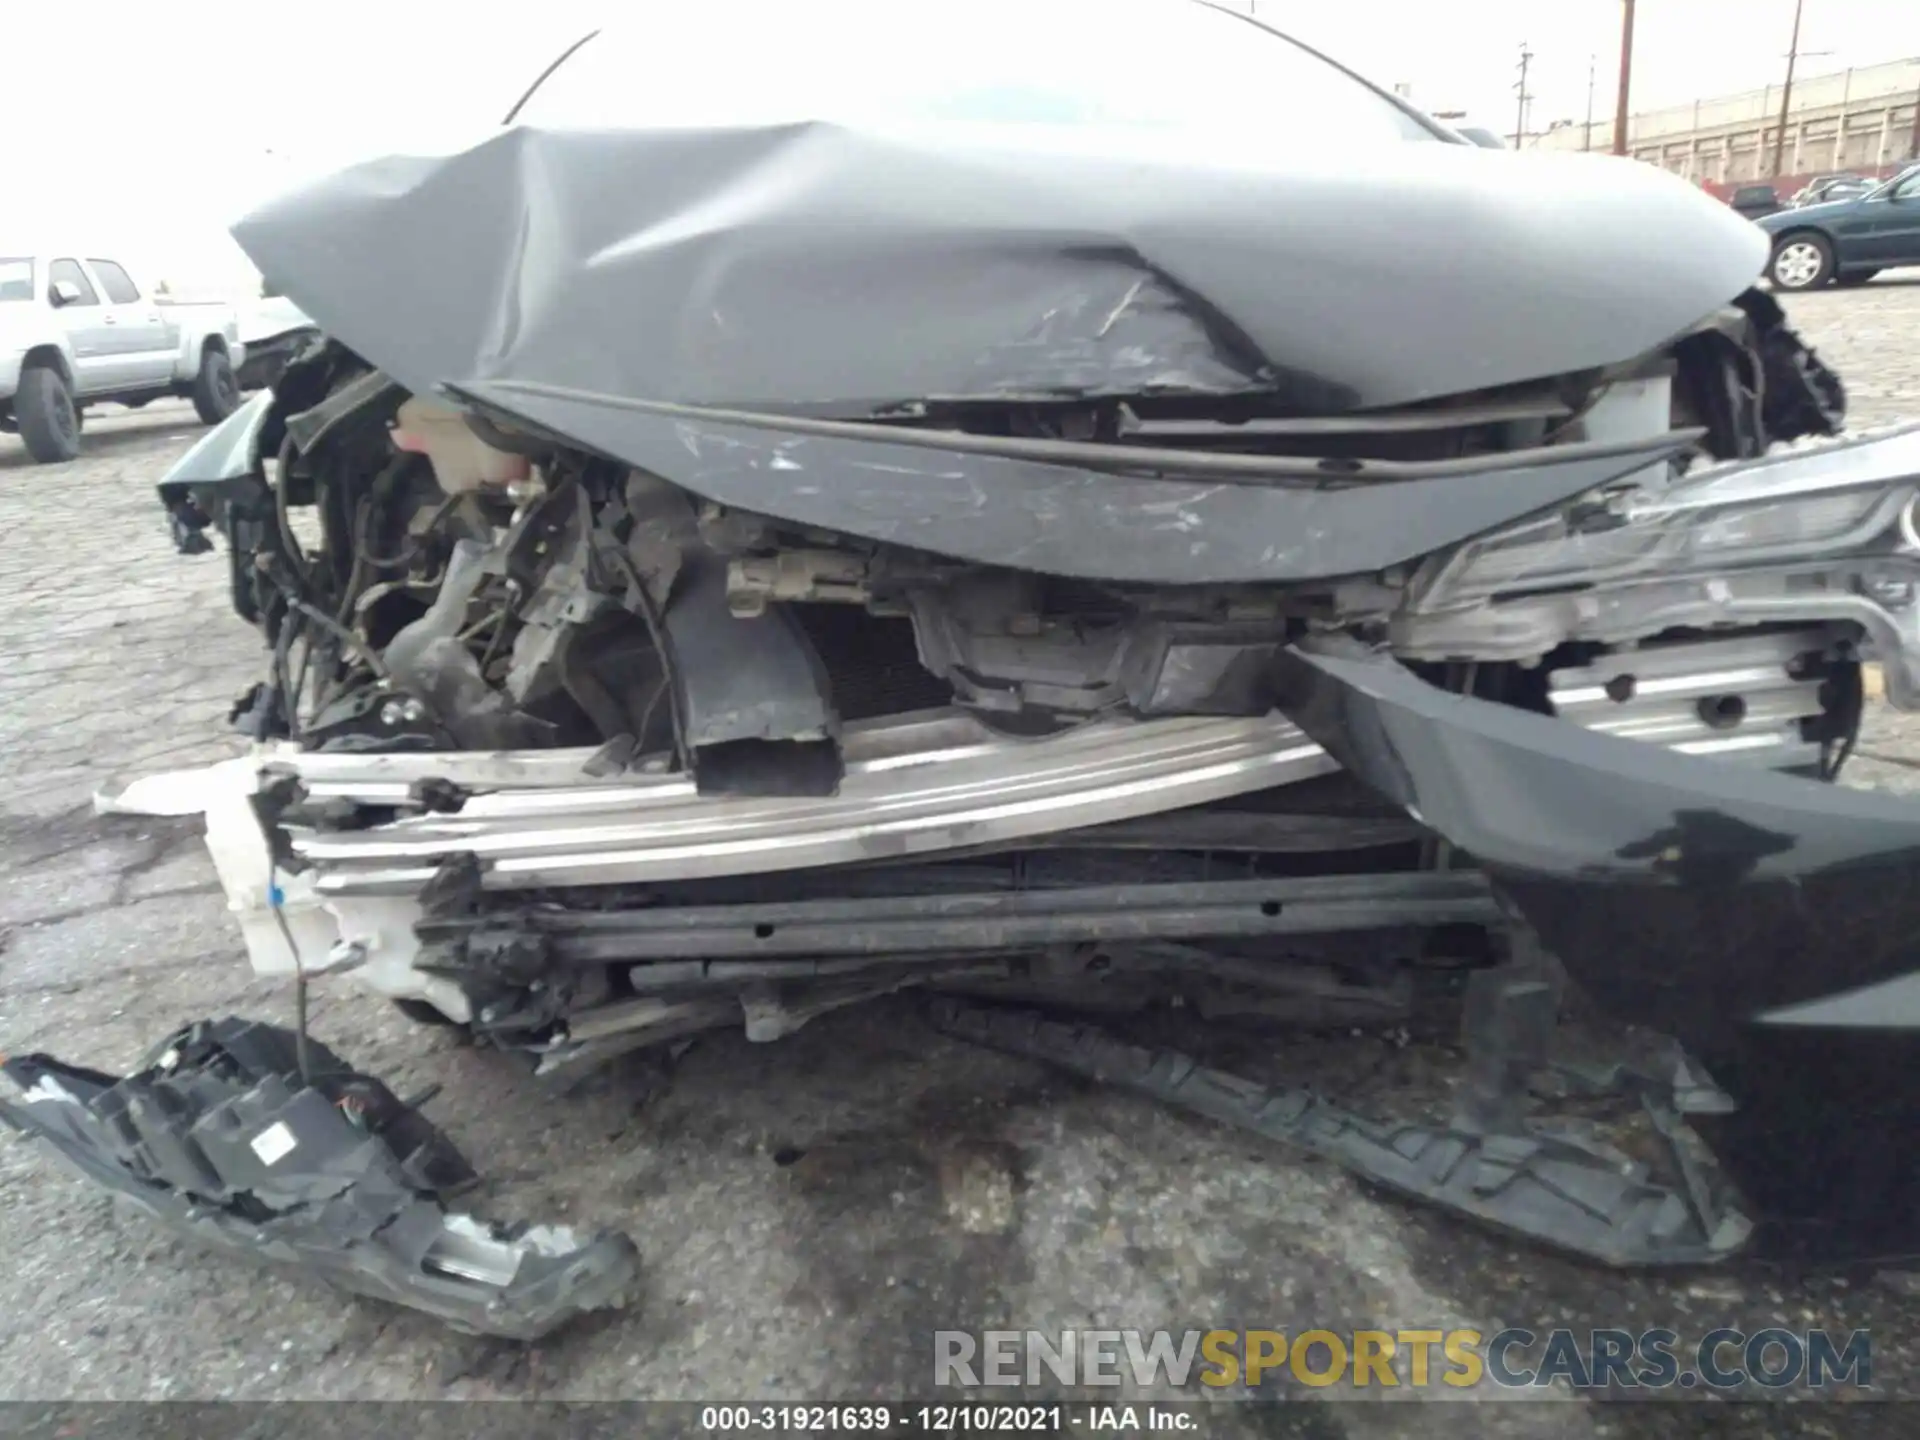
(224, 1138)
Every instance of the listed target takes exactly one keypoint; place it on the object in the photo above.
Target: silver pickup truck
(76, 331)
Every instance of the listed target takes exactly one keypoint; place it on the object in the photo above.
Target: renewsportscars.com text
(1724, 1358)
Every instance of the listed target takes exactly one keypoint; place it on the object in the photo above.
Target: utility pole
(1591, 62)
(1786, 91)
(1913, 145)
(1626, 78)
(1520, 115)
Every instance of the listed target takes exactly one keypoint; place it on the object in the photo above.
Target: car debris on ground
(778, 566)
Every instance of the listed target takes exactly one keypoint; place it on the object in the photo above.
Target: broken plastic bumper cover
(1554, 1190)
(1770, 924)
(219, 1137)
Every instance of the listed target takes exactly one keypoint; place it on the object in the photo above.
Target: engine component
(461, 460)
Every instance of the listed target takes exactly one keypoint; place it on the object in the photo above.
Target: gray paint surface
(1063, 520)
(860, 269)
(844, 269)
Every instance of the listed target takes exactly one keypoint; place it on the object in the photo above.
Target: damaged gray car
(1038, 536)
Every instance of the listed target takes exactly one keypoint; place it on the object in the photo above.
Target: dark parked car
(1753, 201)
(1847, 241)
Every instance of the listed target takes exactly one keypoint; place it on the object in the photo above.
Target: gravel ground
(937, 1186)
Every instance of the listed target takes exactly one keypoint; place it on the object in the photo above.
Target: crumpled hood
(270, 318)
(845, 271)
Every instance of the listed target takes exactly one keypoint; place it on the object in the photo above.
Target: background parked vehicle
(1832, 187)
(1483, 137)
(77, 331)
(1846, 241)
(273, 331)
(1753, 201)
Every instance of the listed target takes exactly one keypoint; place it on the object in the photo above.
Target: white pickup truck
(76, 330)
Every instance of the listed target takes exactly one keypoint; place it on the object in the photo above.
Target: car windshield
(16, 278)
(1887, 187)
(1174, 65)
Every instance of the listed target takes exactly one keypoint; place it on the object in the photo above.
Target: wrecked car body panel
(1748, 915)
(772, 562)
(229, 451)
(1557, 1192)
(222, 1136)
(847, 270)
(1072, 520)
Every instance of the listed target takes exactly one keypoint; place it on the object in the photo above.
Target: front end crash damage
(660, 643)
(1767, 924)
(258, 1141)
(1702, 622)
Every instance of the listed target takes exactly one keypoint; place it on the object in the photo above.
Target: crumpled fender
(228, 451)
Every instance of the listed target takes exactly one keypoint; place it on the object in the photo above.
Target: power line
(1592, 62)
(1786, 91)
(1520, 115)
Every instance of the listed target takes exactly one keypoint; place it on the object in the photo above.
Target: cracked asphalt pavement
(808, 1212)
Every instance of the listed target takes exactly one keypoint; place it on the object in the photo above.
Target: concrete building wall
(1860, 119)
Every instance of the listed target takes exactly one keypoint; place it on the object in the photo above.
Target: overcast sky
(152, 127)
